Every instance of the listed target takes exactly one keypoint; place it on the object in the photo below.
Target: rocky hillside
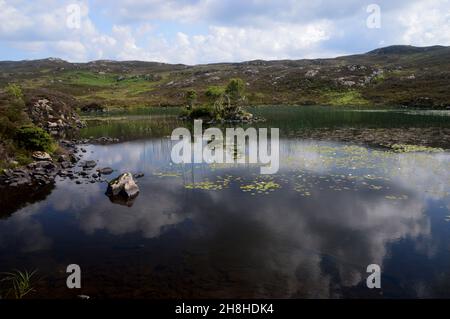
(398, 75)
(55, 112)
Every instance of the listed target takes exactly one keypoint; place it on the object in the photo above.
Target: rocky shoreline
(45, 170)
(67, 165)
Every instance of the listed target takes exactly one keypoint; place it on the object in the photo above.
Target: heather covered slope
(391, 76)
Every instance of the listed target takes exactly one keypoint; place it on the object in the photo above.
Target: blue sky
(205, 31)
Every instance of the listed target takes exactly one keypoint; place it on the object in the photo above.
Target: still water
(309, 231)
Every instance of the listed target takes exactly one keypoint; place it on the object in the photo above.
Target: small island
(225, 105)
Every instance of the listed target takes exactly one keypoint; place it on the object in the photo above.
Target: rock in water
(138, 175)
(124, 185)
(41, 156)
(105, 171)
(89, 164)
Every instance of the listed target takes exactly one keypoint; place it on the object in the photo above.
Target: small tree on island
(191, 98)
(214, 92)
(235, 91)
(230, 102)
(227, 102)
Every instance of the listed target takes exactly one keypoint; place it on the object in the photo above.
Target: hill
(396, 75)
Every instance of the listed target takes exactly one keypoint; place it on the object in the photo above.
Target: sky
(208, 31)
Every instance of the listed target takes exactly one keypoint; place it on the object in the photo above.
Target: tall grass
(19, 284)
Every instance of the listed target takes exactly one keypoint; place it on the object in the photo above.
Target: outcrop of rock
(53, 113)
(124, 185)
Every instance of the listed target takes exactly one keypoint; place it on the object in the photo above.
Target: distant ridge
(389, 50)
(405, 49)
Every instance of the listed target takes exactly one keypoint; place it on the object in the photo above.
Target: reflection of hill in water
(12, 199)
(129, 128)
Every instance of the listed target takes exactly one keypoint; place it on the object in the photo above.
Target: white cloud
(426, 23)
(76, 49)
(238, 43)
(12, 20)
(202, 31)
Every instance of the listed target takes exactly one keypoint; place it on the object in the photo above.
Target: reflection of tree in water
(12, 199)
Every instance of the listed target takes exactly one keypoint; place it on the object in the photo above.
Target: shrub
(11, 117)
(191, 98)
(201, 111)
(214, 92)
(14, 91)
(34, 138)
(235, 90)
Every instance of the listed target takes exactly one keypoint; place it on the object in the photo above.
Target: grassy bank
(19, 137)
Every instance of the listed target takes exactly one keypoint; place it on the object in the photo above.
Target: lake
(342, 200)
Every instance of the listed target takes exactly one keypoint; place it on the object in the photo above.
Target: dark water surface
(226, 231)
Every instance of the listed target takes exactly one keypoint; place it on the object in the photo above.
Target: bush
(214, 92)
(14, 91)
(191, 98)
(35, 139)
(201, 111)
(11, 117)
(235, 89)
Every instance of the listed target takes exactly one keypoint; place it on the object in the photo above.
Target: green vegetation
(347, 98)
(201, 112)
(260, 187)
(18, 136)
(214, 92)
(407, 148)
(19, 284)
(224, 103)
(191, 98)
(398, 77)
(235, 91)
(34, 138)
(14, 91)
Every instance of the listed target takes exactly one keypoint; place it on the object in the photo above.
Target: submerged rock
(124, 185)
(105, 171)
(138, 175)
(89, 164)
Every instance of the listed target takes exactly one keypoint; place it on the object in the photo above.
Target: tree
(191, 98)
(214, 92)
(235, 91)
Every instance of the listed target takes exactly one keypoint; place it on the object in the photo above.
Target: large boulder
(124, 185)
